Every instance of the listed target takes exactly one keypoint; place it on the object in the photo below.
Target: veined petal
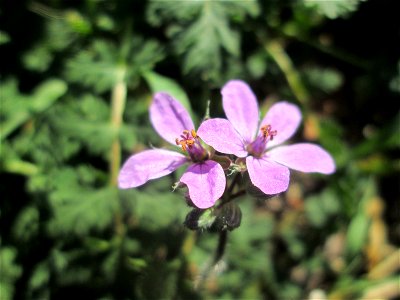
(169, 117)
(268, 176)
(241, 108)
(149, 164)
(206, 183)
(304, 157)
(220, 134)
(283, 117)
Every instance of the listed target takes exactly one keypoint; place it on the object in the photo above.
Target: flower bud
(228, 217)
(199, 219)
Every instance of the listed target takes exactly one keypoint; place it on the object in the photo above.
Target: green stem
(278, 53)
(118, 99)
(233, 183)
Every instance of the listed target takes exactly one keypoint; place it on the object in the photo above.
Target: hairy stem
(223, 238)
(229, 191)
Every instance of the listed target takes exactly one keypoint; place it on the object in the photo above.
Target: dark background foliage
(77, 79)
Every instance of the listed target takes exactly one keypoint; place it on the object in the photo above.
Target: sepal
(224, 161)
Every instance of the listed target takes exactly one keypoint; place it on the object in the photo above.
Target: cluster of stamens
(267, 132)
(187, 139)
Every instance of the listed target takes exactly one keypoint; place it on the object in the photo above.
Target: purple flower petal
(284, 118)
(304, 157)
(241, 108)
(268, 176)
(206, 183)
(149, 164)
(169, 117)
(220, 134)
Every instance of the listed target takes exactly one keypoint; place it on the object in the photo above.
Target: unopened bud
(199, 219)
(228, 217)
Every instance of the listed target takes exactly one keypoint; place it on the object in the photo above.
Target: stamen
(187, 139)
(267, 132)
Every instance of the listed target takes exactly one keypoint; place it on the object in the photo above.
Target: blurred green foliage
(76, 82)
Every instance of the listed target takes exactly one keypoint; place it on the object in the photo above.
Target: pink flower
(243, 136)
(204, 178)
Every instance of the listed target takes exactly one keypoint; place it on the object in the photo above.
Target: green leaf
(333, 9)
(202, 31)
(78, 22)
(78, 211)
(101, 65)
(156, 209)
(110, 264)
(95, 67)
(27, 224)
(38, 59)
(43, 98)
(86, 120)
(39, 280)
(10, 272)
(77, 206)
(357, 234)
(137, 264)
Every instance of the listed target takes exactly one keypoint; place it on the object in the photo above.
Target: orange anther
(266, 132)
(194, 134)
(183, 145)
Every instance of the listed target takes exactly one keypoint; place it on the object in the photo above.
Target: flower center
(189, 141)
(258, 146)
